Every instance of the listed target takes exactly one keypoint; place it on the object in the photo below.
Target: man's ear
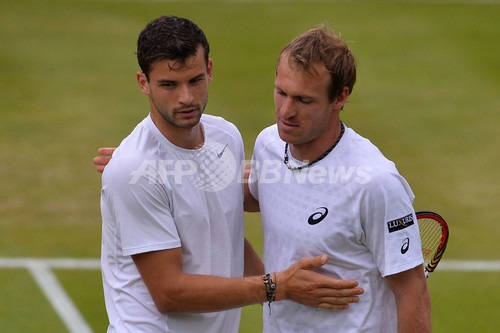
(143, 83)
(341, 99)
(210, 69)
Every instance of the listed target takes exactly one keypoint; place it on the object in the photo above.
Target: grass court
(427, 95)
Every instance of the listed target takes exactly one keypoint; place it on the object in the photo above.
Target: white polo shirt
(353, 206)
(157, 196)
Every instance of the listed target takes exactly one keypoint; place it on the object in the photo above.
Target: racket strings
(430, 233)
(434, 236)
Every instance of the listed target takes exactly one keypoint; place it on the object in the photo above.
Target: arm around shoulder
(102, 161)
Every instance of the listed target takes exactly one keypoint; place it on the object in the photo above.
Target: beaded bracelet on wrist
(270, 289)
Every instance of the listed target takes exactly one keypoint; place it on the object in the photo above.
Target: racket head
(434, 236)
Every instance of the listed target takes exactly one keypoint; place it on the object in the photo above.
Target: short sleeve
(389, 224)
(139, 205)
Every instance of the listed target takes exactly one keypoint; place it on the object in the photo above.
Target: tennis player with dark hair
(174, 257)
(322, 188)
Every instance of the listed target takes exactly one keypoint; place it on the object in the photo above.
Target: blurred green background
(428, 95)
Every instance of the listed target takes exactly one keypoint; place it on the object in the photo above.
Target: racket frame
(432, 264)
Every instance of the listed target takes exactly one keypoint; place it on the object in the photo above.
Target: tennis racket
(434, 236)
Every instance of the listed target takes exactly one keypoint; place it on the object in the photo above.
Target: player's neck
(189, 138)
(312, 150)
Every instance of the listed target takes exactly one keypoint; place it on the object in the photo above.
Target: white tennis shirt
(157, 196)
(353, 206)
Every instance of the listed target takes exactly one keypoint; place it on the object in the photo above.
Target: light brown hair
(322, 44)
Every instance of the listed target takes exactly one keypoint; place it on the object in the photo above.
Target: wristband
(270, 289)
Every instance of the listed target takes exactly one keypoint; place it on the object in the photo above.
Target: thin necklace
(285, 160)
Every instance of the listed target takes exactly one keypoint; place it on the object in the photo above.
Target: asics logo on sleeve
(318, 216)
(406, 245)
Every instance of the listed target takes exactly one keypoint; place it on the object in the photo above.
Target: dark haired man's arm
(174, 291)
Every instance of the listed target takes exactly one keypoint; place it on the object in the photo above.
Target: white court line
(64, 263)
(470, 265)
(40, 269)
(58, 297)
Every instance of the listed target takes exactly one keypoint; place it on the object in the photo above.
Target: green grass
(427, 96)
(23, 307)
(465, 302)
(78, 284)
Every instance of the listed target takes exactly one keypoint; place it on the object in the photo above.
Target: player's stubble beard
(171, 118)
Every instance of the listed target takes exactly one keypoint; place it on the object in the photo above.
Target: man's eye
(305, 101)
(198, 80)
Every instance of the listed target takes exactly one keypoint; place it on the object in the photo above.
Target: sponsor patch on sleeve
(400, 223)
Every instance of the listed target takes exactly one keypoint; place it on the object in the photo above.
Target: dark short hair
(169, 38)
(323, 45)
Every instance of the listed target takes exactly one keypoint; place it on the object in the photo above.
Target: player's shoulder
(377, 168)
(268, 135)
(362, 151)
(269, 132)
(219, 123)
(268, 140)
(138, 149)
(218, 129)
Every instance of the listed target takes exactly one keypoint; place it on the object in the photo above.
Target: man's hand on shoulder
(103, 160)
